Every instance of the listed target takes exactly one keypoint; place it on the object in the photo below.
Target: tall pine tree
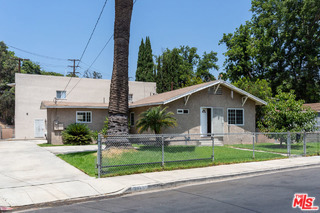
(145, 65)
(140, 62)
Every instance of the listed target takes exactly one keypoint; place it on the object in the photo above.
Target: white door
(204, 121)
(217, 120)
(39, 128)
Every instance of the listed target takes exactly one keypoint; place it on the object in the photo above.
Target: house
(315, 107)
(31, 90)
(212, 107)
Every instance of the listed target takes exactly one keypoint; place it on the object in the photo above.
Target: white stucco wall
(32, 89)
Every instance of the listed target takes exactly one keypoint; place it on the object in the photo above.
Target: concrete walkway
(31, 175)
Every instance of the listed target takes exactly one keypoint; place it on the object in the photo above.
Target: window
(131, 118)
(235, 116)
(182, 111)
(130, 98)
(61, 94)
(84, 117)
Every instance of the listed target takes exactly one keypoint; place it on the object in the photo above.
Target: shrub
(77, 134)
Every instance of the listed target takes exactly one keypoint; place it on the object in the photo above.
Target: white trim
(244, 100)
(243, 116)
(257, 100)
(84, 122)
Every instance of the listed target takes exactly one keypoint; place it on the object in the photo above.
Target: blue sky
(61, 29)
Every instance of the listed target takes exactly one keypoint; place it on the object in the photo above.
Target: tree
(284, 113)
(258, 88)
(280, 43)
(181, 67)
(145, 64)
(140, 62)
(118, 101)
(8, 67)
(29, 67)
(156, 119)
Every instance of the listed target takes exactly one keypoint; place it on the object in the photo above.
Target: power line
(92, 32)
(101, 51)
(39, 55)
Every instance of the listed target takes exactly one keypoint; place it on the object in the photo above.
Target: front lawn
(296, 148)
(86, 161)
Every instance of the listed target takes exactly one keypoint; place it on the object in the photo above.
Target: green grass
(223, 155)
(296, 149)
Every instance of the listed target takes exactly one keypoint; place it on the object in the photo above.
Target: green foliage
(77, 134)
(103, 131)
(28, 67)
(278, 44)
(145, 64)
(50, 73)
(156, 119)
(8, 67)
(181, 67)
(258, 88)
(284, 113)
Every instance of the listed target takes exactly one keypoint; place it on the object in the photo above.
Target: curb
(159, 186)
(172, 184)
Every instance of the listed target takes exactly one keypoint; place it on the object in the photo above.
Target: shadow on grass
(168, 149)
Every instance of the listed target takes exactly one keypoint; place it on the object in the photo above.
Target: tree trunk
(118, 101)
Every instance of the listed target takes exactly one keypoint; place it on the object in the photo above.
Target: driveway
(23, 165)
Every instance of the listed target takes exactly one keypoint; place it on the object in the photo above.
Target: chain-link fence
(141, 153)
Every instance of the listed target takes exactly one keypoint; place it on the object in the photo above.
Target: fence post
(304, 144)
(212, 139)
(99, 156)
(162, 162)
(288, 144)
(253, 139)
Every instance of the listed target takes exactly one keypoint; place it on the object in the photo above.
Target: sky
(55, 31)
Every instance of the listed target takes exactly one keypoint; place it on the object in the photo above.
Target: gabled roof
(72, 105)
(314, 106)
(167, 97)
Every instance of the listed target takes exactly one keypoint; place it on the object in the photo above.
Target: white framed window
(131, 119)
(61, 94)
(84, 117)
(130, 98)
(182, 111)
(236, 116)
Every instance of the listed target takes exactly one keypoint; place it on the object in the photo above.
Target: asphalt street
(264, 193)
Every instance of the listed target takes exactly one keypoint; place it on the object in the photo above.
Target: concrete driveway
(24, 164)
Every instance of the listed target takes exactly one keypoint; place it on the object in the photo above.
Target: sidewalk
(31, 189)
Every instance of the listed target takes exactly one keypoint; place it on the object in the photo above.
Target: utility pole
(74, 66)
(19, 65)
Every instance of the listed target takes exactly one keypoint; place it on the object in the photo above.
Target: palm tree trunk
(118, 101)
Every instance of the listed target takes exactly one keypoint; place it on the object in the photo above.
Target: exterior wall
(32, 89)
(190, 123)
(68, 116)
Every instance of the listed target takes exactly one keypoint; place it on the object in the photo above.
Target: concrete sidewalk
(20, 187)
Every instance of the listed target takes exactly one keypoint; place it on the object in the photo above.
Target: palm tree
(118, 101)
(156, 119)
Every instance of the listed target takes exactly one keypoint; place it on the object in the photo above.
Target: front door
(39, 128)
(217, 120)
(205, 121)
